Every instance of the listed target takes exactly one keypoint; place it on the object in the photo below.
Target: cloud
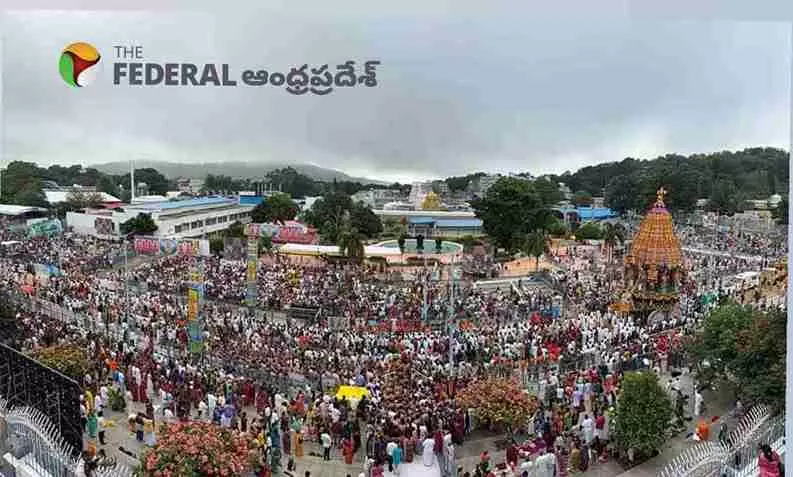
(459, 91)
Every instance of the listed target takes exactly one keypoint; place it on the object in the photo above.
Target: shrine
(654, 265)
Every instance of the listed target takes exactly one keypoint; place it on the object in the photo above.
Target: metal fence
(26, 382)
(736, 455)
(34, 443)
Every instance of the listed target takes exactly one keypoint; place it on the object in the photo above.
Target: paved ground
(467, 455)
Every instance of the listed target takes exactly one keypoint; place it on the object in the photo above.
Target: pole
(449, 318)
(126, 285)
(789, 333)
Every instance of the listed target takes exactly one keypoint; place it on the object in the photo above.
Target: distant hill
(173, 170)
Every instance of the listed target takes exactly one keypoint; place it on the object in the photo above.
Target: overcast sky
(458, 93)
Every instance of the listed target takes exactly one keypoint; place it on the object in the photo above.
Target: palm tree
(613, 234)
(535, 245)
(350, 242)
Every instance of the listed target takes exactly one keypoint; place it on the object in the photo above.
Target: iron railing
(737, 454)
(35, 443)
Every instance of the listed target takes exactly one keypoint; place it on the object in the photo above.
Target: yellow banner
(192, 304)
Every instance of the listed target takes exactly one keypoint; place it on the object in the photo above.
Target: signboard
(45, 228)
(165, 246)
(290, 232)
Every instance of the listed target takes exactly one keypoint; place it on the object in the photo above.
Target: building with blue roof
(584, 214)
(174, 218)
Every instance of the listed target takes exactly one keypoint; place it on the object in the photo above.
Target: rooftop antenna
(132, 180)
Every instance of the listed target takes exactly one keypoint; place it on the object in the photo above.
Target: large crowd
(271, 376)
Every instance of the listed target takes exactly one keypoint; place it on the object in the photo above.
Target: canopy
(352, 392)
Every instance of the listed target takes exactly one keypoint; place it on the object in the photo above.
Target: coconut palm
(350, 242)
(613, 234)
(535, 245)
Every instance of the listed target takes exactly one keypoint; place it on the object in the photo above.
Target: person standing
(326, 443)
(428, 452)
(769, 462)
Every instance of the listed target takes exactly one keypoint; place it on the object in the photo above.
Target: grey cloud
(458, 92)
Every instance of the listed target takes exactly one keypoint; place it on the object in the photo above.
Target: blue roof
(179, 204)
(459, 223)
(594, 212)
(421, 220)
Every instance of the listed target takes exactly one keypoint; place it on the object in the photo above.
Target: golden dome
(656, 244)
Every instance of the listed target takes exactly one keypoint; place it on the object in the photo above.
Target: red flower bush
(195, 449)
(498, 401)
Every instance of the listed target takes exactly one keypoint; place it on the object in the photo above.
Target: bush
(68, 359)
(589, 231)
(196, 448)
(116, 400)
(498, 401)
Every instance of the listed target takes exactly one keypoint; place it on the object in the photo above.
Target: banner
(194, 301)
(45, 228)
(253, 258)
(165, 246)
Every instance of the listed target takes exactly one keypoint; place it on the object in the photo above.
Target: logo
(79, 64)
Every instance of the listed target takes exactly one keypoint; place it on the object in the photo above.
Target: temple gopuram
(654, 266)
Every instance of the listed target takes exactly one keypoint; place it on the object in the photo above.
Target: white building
(54, 196)
(174, 219)
(419, 190)
(190, 186)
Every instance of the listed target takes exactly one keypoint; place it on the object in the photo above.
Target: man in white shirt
(211, 403)
(326, 443)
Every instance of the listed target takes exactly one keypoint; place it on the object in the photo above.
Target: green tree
(643, 415)
(613, 234)
(714, 347)
(266, 243)
(536, 245)
(725, 198)
(328, 213)
(158, 183)
(107, 185)
(236, 229)
(350, 240)
(511, 209)
(22, 184)
(142, 224)
(582, 198)
(589, 231)
(276, 208)
(394, 228)
(548, 190)
(745, 347)
(557, 228)
(621, 193)
(292, 182)
(216, 245)
(365, 221)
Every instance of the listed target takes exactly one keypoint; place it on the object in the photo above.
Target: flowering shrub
(498, 401)
(195, 449)
(70, 360)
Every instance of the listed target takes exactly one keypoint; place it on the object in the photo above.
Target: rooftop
(6, 209)
(56, 196)
(183, 204)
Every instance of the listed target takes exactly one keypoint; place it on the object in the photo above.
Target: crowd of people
(272, 377)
